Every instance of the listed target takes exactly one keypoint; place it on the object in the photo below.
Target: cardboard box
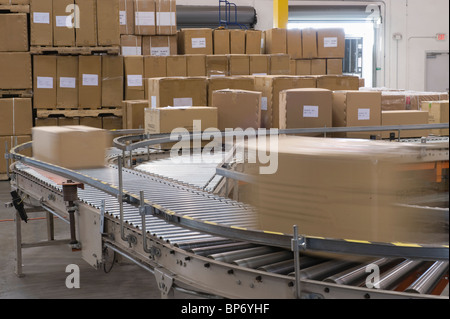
(108, 24)
(391, 101)
(15, 39)
(196, 64)
(135, 114)
(318, 66)
(10, 2)
(259, 64)
(303, 67)
(404, 117)
(181, 91)
(271, 86)
(10, 142)
(356, 108)
(438, 112)
(131, 44)
(237, 108)
(67, 81)
(134, 75)
(237, 41)
(195, 41)
(16, 117)
(279, 64)
(155, 66)
(72, 147)
(239, 64)
(63, 33)
(112, 80)
(112, 122)
(276, 41)
(44, 81)
(41, 22)
(305, 108)
(86, 33)
(334, 66)
(254, 43)
(217, 65)
(166, 17)
(176, 65)
(16, 70)
(89, 79)
(235, 83)
(49, 121)
(66, 121)
(91, 121)
(414, 99)
(338, 82)
(158, 45)
(145, 17)
(221, 41)
(294, 43)
(309, 43)
(126, 16)
(331, 43)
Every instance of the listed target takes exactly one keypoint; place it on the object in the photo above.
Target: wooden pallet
(14, 8)
(112, 50)
(25, 93)
(40, 113)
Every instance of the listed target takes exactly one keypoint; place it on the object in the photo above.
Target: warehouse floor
(44, 267)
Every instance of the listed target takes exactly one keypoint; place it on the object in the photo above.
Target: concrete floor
(45, 267)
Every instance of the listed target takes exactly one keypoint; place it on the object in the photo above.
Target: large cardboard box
(44, 81)
(126, 16)
(276, 41)
(108, 24)
(331, 43)
(182, 91)
(196, 64)
(86, 33)
(438, 112)
(134, 77)
(254, 43)
(237, 108)
(259, 64)
(112, 80)
(155, 66)
(195, 41)
(91, 121)
(67, 81)
(221, 39)
(309, 43)
(334, 66)
(11, 2)
(239, 64)
(41, 22)
(66, 121)
(159, 45)
(14, 38)
(271, 86)
(131, 44)
(305, 108)
(217, 65)
(145, 17)
(393, 100)
(16, 117)
(237, 41)
(354, 109)
(10, 142)
(63, 32)
(72, 147)
(166, 17)
(279, 64)
(49, 121)
(318, 66)
(235, 83)
(338, 82)
(404, 117)
(112, 122)
(89, 79)
(303, 67)
(294, 43)
(16, 70)
(134, 114)
(176, 65)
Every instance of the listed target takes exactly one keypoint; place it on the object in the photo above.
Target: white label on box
(145, 18)
(160, 51)
(61, 21)
(41, 17)
(184, 101)
(331, 42)
(90, 79)
(67, 82)
(131, 50)
(153, 102)
(166, 19)
(123, 17)
(198, 43)
(264, 103)
(217, 76)
(310, 111)
(363, 114)
(134, 80)
(44, 82)
(259, 74)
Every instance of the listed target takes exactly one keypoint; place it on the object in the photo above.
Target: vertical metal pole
(120, 196)
(7, 159)
(143, 220)
(18, 222)
(102, 217)
(50, 227)
(295, 243)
